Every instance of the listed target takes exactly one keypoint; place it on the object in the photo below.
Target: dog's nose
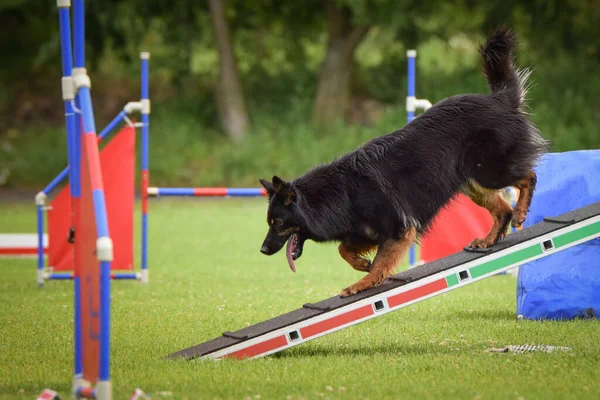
(264, 250)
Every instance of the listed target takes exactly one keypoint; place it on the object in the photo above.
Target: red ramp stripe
(260, 348)
(417, 293)
(336, 321)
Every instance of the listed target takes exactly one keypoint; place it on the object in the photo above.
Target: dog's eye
(278, 222)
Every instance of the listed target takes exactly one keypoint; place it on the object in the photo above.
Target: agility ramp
(314, 320)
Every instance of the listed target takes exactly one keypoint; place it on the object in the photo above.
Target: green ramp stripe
(506, 260)
(452, 280)
(573, 236)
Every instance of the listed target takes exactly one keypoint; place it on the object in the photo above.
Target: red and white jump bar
(20, 244)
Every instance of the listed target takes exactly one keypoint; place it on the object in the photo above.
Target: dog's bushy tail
(504, 79)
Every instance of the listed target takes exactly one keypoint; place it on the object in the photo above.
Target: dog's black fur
(403, 179)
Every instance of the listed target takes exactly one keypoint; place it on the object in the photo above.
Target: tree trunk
(229, 94)
(333, 92)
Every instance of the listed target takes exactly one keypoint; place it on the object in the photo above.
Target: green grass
(207, 276)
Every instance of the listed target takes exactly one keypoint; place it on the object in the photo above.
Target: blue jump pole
(145, 100)
(71, 126)
(411, 55)
(40, 234)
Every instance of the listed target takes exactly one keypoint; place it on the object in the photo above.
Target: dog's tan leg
(354, 253)
(500, 210)
(386, 260)
(526, 188)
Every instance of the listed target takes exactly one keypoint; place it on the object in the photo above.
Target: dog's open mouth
(293, 250)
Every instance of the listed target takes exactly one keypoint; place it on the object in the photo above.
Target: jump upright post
(145, 100)
(412, 104)
(92, 244)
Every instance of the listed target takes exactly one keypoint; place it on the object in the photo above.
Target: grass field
(208, 276)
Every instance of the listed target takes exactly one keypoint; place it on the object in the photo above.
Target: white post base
(104, 390)
(144, 276)
(41, 277)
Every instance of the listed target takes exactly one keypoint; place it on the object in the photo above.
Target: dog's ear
(284, 189)
(268, 187)
(279, 184)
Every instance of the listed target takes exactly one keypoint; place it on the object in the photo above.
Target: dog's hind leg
(388, 255)
(526, 188)
(353, 253)
(499, 208)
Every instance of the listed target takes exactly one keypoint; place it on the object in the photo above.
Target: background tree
(228, 94)
(343, 36)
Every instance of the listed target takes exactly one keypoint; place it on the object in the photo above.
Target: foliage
(280, 46)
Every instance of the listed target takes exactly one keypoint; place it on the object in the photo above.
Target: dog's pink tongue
(288, 254)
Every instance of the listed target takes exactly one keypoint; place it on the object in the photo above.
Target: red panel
(417, 293)
(454, 228)
(60, 251)
(89, 273)
(118, 166)
(336, 321)
(210, 192)
(260, 348)
(90, 142)
(263, 192)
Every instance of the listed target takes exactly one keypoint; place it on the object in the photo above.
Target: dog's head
(285, 224)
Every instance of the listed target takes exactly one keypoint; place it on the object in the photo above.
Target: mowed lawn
(208, 276)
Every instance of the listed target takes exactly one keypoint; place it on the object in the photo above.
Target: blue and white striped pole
(412, 104)
(411, 55)
(410, 112)
(145, 100)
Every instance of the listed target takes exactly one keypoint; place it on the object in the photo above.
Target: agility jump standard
(92, 249)
(403, 289)
(118, 164)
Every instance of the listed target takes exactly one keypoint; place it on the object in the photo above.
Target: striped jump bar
(66, 277)
(21, 244)
(207, 192)
(403, 289)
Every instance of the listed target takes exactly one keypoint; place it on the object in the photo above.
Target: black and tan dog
(384, 194)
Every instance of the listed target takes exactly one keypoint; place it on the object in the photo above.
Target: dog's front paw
(518, 219)
(349, 291)
(353, 289)
(480, 244)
